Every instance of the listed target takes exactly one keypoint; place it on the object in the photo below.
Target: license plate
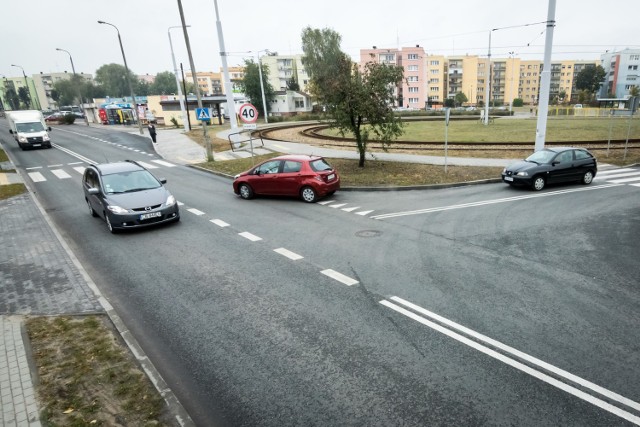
(508, 178)
(36, 145)
(331, 177)
(150, 215)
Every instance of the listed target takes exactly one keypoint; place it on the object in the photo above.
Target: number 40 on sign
(248, 113)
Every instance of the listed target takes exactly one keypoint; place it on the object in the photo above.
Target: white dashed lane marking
(163, 163)
(250, 236)
(339, 277)
(288, 254)
(195, 211)
(219, 222)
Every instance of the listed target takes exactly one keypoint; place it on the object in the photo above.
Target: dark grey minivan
(127, 196)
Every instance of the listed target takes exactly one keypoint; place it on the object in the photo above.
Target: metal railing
(238, 143)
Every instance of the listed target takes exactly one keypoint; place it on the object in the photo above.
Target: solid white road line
(219, 222)
(532, 360)
(60, 173)
(195, 211)
(339, 277)
(291, 255)
(491, 202)
(36, 177)
(515, 364)
(250, 236)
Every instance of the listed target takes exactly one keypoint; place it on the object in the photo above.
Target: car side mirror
(256, 172)
(10, 131)
(93, 190)
(555, 163)
(49, 128)
(163, 180)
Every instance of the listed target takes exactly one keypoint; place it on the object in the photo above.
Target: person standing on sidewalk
(152, 131)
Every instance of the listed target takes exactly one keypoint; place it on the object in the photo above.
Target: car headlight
(237, 176)
(46, 138)
(504, 171)
(522, 173)
(170, 200)
(22, 139)
(117, 210)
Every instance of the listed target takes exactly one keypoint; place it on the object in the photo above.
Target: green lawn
(519, 130)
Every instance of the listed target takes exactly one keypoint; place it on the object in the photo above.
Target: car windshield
(542, 156)
(320, 165)
(29, 127)
(128, 182)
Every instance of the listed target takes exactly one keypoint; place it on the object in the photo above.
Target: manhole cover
(368, 233)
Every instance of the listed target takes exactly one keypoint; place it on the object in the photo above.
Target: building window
(434, 72)
(299, 103)
(434, 88)
(634, 57)
(413, 90)
(387, 57)
(434, 63)
(412, 68)
(412, 79)
(412, 56)
(633, 67)
(413, 100)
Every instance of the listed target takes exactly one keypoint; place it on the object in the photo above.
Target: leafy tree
(518, 102)
(480, 104)
(590, 79)
(92, 90)
(634, 91)
(449, 103)
(23, 94)
(250, 85)
(562, 96)
(12, 98)
(358, 100)
(460, 98)
(112, 77)
(164, 84)
(292, 84)
(143, 88)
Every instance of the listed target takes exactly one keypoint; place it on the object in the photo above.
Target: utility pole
(231, 107)
(545, 80)
(185, 121)
(207, 142)
(86, 119)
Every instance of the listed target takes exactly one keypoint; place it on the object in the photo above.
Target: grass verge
(11, 190)
(88, 378)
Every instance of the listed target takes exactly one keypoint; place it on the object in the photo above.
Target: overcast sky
(32, 30)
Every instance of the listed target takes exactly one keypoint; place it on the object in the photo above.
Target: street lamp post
(185, 119)
(86, 119)
(133, 96)
(511, 90)
(264, 101)
(26, 82)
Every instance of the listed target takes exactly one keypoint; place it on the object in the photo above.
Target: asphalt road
(480, 305)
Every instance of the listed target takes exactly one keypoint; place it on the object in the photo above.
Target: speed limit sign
(248, 113)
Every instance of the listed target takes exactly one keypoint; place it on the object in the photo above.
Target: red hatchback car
(307, 177)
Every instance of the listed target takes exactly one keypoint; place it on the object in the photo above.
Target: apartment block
(282, 68)
(529, 83)
(44, 82)
(623, 72)
(209, 82)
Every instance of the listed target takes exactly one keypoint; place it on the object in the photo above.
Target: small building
(289, 103)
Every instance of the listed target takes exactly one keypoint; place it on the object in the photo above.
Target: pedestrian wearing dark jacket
(152, 132)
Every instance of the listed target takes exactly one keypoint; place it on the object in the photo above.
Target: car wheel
(245, 191)
(91, 211)
(308, 194)
(109, 226)
(538, 183)
(587, 178)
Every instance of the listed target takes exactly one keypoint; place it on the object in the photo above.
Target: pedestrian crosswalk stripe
(163, 163)
(614, 171)
(618, 175)
(147, 165)
(337, 206)
(363, 213)
(624, 180)
(60, 173)
(79, 169)
(36, 177)
(351, 209)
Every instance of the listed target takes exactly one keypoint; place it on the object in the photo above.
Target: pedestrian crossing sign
(203, 113)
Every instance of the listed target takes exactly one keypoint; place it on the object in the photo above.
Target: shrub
(69, 119)
(174, 121)
(518, 102)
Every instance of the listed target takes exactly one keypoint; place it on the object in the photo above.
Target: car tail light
(319, 178)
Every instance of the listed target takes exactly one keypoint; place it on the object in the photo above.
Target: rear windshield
(320, 165)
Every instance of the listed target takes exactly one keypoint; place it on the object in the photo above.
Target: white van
(29, 129)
